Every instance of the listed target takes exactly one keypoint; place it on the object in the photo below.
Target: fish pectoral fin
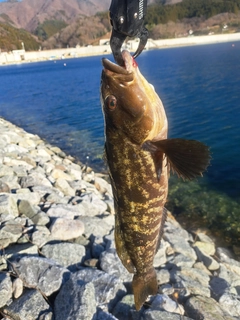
(188, 158)
(157, 155)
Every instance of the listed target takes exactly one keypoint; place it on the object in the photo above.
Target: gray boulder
(41, 273)
(31, 306)
(76, 301)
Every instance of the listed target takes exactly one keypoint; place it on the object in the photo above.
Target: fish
(140, 157)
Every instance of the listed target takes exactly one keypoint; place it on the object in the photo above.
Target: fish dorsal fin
(188, 158)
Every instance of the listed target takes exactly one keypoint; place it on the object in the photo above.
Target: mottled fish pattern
(139, 157)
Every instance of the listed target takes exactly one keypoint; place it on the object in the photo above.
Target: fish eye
(111, 102)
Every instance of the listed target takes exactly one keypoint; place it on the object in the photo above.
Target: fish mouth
(114, 68)
(120, 74)
(128, 68)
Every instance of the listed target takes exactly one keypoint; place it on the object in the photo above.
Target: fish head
(130, 104)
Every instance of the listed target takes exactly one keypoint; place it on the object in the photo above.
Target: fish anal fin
(144, 285)
(188, 158)
(164, 218)
(121, 248)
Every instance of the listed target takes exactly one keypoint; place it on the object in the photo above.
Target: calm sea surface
(199, 86)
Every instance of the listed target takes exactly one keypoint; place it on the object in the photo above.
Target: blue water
(199, 86)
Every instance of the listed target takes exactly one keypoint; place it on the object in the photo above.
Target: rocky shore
(58, 258)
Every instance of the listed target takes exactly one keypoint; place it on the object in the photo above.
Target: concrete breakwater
(17, 56)
(58, 258)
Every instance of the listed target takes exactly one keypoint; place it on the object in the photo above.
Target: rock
(160, 256)
(93, 263)
(17, 288)
(201, 266)
(10, 233)
(91, 205)
(75, 174)
(66, 254)
(3, 263)
(108, 289)
(66, 211)
(5, 170)
(163, 302)
(13, 148)
(44, 191)
(96, 226)
(163, 276)
(173, 230)
(232, 278)
(34, 198)
(206, 308)
(110, 263)
(190, 282)
(230, 304)
(219, 286)
(12, 182)
(57, 173)
(4, 188)
(180, 260)
(20, 171)
(5, 289)
(204, 238)
(40, 236)
(103, 186)
(97, 249)
(19, 250)
(44, 154)
(199, 275)
(76, 300)
(208, 261)
(103, 315)
(66, 229)
(161, 315)
(40, 273)
(34, 179)
(55, 149)
(226, 256)
(64, 186)
(180, 245)
(29, 306)
(8, 207)
(122, 310)
(38, 217)
(205, 247)
(27, 143)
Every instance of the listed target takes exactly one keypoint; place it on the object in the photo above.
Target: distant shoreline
(22, 56)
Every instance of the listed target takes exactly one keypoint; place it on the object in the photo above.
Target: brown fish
(139, 157)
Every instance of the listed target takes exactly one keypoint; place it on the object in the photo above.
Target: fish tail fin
(144, 285)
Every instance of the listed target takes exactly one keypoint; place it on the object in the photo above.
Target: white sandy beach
(19, 56)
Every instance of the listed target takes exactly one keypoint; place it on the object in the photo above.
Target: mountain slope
(81, 32)
(28, 14)
(12, 38)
